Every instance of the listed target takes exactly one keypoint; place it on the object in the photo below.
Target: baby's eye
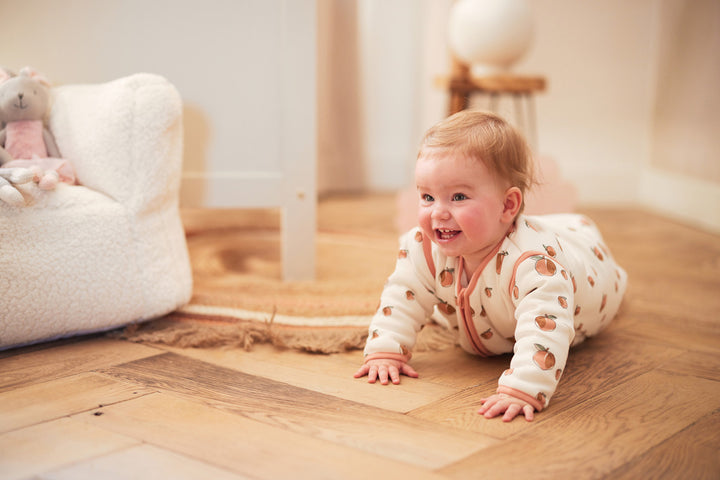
(459, 196)
(426, 197)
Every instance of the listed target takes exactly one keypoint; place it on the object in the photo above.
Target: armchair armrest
(124, 138)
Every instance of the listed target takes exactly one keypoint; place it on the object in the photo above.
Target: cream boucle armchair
(111, 251)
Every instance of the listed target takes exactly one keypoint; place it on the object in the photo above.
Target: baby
(503, 281)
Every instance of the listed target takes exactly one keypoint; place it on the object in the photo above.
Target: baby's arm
(544, 314)
(405, 304)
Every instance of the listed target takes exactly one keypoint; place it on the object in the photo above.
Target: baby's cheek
(425, 223)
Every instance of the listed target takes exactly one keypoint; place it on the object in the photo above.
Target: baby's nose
(440, 211)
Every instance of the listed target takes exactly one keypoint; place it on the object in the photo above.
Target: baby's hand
(499, 403)
(382, 368)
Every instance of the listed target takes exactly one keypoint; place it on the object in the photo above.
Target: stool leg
(494, 97)
(459, 100)
(532, 122)
(519, 115)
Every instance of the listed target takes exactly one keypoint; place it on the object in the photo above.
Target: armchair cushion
(112, 250)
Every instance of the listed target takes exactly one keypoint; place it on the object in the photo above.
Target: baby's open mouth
(445, 233)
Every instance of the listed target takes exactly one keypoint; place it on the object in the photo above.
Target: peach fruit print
(546, 322)
(446, 308)
(543, 358)
(446, 277)
(544, 266)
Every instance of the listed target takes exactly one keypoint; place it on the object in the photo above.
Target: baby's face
(461, 205)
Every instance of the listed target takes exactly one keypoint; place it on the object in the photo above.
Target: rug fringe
(176, 331)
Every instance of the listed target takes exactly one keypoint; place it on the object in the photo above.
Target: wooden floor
(640, 401)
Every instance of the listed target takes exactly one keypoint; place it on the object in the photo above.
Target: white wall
(594, 119)
(608, 73)
(226, 57)
(597, 119)
(682, 176)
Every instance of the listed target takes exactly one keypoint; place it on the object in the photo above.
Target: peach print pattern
(534, 270)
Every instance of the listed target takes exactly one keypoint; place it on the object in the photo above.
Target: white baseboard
(687, 199)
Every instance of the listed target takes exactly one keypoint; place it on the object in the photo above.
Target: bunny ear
(30, 72)
(5, 74)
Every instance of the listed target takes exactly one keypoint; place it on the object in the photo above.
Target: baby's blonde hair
(488, 138)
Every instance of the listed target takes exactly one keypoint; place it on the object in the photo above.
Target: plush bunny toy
(26, 142)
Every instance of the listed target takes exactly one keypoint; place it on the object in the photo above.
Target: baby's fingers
(362, 371)
(492, 408)
(486, 404)
(383, 374)
(409, 371)
(394, 375)
(511, 412)
(529, 412)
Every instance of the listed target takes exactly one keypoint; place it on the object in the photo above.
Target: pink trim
(537, 405)
(389, 356)
(524, 257)
(463, 300)
(465, 309)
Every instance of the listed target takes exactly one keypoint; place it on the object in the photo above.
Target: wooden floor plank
(639, 401)
(605, 361)
(304, 411)
(596, 437)
(596, 366)
(46, 401)
(699, 364)
(691, 453)
(663, 328)
(48, 446)
(140, 463)
(242, 445)
(467, 370)
(317, 373)
(67, 359)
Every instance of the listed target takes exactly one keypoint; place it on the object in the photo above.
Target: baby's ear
(512, 203)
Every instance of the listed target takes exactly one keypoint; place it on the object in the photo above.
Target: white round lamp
(490, 35)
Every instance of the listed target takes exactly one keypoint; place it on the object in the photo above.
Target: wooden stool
(462, 85)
